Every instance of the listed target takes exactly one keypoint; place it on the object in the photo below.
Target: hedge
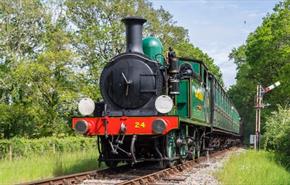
(20, 147)
(277, 131)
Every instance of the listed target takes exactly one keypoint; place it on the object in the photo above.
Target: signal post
(259, 105)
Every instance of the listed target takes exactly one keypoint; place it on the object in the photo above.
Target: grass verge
(253, 168)
(49, 165)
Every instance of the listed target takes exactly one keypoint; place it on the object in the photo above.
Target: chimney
(134, 28)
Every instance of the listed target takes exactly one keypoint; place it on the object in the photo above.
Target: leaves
(52, 53)
(263, 59)
(36, 72)
(100, 33)
(277, 130)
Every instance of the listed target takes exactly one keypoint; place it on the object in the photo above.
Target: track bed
(142, 173)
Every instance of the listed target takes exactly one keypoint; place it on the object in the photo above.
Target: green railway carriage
(203, 101)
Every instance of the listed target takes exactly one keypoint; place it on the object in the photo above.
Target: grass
(254, 168)
(49, 165)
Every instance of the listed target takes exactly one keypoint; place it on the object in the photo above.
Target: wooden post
(259, 98)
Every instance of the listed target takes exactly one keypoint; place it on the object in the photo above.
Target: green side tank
(152, 48)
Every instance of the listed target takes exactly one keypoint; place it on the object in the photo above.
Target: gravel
(201, 175)
(204, 174)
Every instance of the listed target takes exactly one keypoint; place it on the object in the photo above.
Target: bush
(20, 147)
(277, 135)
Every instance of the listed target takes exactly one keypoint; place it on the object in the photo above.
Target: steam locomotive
(155, 107)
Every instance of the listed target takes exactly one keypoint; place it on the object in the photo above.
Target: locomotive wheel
(198, 149)
(192, 152)
(183, 149)
(170, 149)
(192, 147)
(112, 164)
(107, 154)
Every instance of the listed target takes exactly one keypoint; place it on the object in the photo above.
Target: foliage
(52, 53)
(253, 167)
(100, 35)
(277, 131)
(19, 147)
(263, 59)
(38, 83)
(48, 165)
(186, 49)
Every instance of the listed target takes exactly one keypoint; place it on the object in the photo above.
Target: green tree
(238, 56)
(264, 59)
(21, 29)
(187, 49)
(99, 34)
(38, 78)
(52, 53)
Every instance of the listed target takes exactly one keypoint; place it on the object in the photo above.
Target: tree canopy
(263, 59)
(52, 53)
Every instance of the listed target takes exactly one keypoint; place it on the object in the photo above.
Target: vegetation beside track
(48, 165)
(20, 147)
(24, 160)
(277, 132)
(254, 167)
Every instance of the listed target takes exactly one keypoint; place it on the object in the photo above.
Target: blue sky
(217, 26)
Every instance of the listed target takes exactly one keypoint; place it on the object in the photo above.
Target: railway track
(143, 173)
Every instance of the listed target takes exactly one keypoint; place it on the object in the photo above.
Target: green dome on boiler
(152, 48)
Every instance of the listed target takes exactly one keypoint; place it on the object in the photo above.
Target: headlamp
(163, 104)
(86, 106)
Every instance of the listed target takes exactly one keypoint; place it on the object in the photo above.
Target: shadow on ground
(84, 165)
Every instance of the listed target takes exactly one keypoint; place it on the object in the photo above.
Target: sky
(218, 26)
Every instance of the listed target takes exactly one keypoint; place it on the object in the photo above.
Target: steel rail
(75, 178)
(78, 178)
(152, 178)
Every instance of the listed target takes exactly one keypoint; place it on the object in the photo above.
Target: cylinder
(134, 28)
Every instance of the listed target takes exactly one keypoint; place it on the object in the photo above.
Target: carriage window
(220, 97)
(204, 78)
(197, 69)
